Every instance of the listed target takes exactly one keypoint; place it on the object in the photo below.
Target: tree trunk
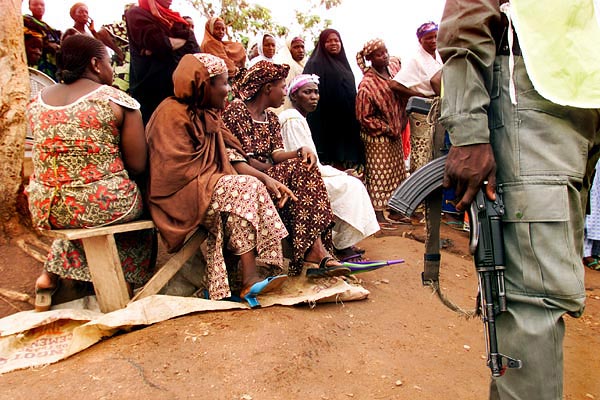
(14, 95)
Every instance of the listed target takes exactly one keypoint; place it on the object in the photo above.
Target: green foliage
(245, 20)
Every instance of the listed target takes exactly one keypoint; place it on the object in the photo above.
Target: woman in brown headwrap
(232, 53)
(309, 219)
(193, 164)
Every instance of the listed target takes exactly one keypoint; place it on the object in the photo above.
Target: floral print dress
(79, 180)
(310, 216)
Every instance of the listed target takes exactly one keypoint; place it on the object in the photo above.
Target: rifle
(486, 243)
(487, 246)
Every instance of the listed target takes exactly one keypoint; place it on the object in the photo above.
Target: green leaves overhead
(245, 20)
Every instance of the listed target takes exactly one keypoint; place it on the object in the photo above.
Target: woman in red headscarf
(158, 38)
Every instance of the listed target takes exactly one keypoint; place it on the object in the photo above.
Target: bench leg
(106, 271)
(167, 271)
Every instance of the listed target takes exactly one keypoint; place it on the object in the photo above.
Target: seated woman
(232, 53)
(193, 182)
(309, 220)
(354, 215)
(89, 142)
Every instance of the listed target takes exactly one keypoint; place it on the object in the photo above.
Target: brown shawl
(187, 145)
(232, 53)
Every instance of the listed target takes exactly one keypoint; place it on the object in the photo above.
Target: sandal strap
(324, 261)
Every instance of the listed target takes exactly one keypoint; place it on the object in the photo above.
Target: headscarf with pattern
(369, 47)
(301, 80)
(426, 28)
(185, 164)
(214, 65)
(259, 75)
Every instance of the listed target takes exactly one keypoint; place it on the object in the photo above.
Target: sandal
(591, 263)
(324, 270)
(43, 298)
(269, 284)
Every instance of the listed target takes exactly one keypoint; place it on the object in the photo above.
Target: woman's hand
(90, 25)
(308, 157)
(281, 192)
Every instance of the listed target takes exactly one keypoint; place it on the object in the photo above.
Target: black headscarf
(333, 124)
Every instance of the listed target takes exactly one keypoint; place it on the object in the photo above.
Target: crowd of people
(306, 158)
(259, 144)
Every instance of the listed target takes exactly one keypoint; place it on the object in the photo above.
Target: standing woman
(266, 46)
(51, 37)
(380, 112)
(232, 53)
(89, 145)
(158, 38)
(84, 25)
(308, 219)
(294, 55)
(333, 124)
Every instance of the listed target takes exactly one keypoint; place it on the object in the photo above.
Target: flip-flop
(323, 271)
(592, 264)
(43, 298)
(267, 285)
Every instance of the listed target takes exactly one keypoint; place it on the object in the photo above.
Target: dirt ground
(400, 343)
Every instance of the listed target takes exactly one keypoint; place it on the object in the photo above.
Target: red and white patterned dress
(79, 180)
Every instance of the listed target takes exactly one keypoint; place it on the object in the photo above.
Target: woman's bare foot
(47, 280)
(249, 274)
(318, 252)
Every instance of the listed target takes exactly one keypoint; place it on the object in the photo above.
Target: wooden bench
(105, 266)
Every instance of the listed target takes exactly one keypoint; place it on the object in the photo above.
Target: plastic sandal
(324, 271)
(267, 285)
(43, 298)
(591, 263)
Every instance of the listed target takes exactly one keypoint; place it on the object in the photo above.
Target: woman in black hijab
(333, 124)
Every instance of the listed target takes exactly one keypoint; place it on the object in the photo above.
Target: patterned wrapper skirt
(308, 218)
(241, 217)
(384, 169)
(420, 141)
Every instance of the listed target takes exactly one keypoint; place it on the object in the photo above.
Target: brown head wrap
(368, 48)
(259, 75)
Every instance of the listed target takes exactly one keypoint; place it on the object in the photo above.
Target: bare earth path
(400, 343)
